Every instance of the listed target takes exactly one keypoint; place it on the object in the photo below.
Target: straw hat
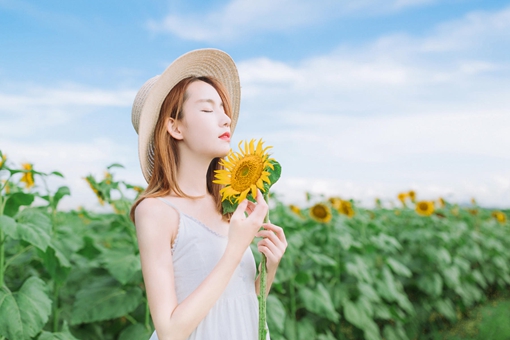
(148, 100)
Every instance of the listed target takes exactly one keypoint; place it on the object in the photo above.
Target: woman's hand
(242, 229)
(272, 245)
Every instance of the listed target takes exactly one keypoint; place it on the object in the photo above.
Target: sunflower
(244, 171)
(138, 189)
(108, 177)
(499, 216)
(321, 213)
(336, 202)
(2, 160)
(378, 202)
(412, 195)
(346, 208)
(425, 208)
(402, 197)
(28, 177)
(442, 202)
(295, 209)
(473, 201)
(98, 194)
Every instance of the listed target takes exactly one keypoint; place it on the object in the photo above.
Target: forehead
(202, 91)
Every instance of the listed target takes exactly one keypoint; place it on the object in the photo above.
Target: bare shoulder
(154, 218)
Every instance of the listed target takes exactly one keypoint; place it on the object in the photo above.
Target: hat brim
(204, 62)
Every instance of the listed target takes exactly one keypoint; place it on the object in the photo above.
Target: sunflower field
(348, 272)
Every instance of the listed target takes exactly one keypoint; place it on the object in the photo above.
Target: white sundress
(196, 251)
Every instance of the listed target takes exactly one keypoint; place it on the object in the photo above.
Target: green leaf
(121, 264)
(275, 314)
(356, 315)
(9, 226)
(445, 307)
(398, 268)
(64, 335)
(10, 318)
(306, 330)
(34, 227)
(319, 301)
(322, 260)
(16, 200)
(135, 332)
(228, 207)
(61, 192)
(432, 285)
(24, 313)
(55, 262)
(56, 173)
(368, 291)
(275, 174)
(104, 302)
(115, 165)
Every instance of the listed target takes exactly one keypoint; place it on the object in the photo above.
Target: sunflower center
(247, 172)
(423, 206)
(319, 211)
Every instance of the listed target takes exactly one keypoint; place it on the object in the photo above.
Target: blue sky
(360, 99)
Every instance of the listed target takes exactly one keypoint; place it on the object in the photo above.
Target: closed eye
(206, 110)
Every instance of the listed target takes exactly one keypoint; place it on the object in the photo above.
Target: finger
(261, 208)
(270, 235)
(271, 258)
(275, 250)
(239, 212)
(277, 230)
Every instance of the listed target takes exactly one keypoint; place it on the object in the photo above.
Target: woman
(198, 268)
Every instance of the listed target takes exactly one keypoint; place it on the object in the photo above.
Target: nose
(226, 120)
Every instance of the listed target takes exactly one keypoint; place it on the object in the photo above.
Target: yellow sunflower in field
(378, 202)
(321, 213)
(336, 202)
(412, 195)
(346, 208)
(98, 194)
(244, 171)
(402, 197)
(295, 209)
(108, 177)
(28, 177)
(425, 208)
(2, 160)
(499, 216)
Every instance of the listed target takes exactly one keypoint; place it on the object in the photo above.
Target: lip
(225, 136)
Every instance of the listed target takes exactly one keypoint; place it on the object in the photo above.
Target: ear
(173, 127)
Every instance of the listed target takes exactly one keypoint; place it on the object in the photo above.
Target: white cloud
(240, 18)
(390, 112)
(28, 109)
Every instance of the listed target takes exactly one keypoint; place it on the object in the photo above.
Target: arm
(273, 246)
(155, 226)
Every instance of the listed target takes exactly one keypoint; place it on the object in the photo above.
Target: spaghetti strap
(170, 204)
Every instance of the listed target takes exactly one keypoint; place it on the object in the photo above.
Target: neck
(192, 174)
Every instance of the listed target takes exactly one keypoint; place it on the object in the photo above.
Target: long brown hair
(166, 157)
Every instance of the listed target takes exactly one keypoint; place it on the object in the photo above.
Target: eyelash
(206, 110)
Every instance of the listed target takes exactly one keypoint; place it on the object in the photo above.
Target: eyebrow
(208, 101)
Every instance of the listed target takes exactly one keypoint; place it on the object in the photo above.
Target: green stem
(131, 319)
(262, 288)
(55, 308)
